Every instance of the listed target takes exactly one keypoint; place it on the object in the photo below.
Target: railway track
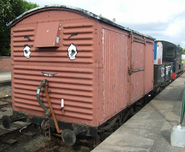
(20, 138)
(25, 137)
(5, 106)
(5, 89)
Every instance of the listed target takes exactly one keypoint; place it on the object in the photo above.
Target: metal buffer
(7, 121)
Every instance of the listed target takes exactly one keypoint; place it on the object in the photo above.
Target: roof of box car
(105, 20)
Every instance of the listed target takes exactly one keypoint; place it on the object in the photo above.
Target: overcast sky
(161, 19)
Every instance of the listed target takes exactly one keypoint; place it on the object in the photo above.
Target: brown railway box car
(95, 68)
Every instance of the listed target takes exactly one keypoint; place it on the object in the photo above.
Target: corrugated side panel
(114, 72)
(73, 81)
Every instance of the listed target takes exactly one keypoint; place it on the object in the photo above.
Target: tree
(183, 51)
(10, 9)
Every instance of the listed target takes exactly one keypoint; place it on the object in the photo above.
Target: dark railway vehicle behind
(92, 68)
(162, 75)
(172, 53)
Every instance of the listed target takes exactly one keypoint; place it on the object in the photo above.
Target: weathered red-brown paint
(112, 70)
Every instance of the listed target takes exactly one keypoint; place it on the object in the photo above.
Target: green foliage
(5, 10)
(10, 9)
(4, 40)
(28, 5)
(183, 51)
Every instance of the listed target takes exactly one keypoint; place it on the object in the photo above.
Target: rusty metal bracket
(51, 108)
